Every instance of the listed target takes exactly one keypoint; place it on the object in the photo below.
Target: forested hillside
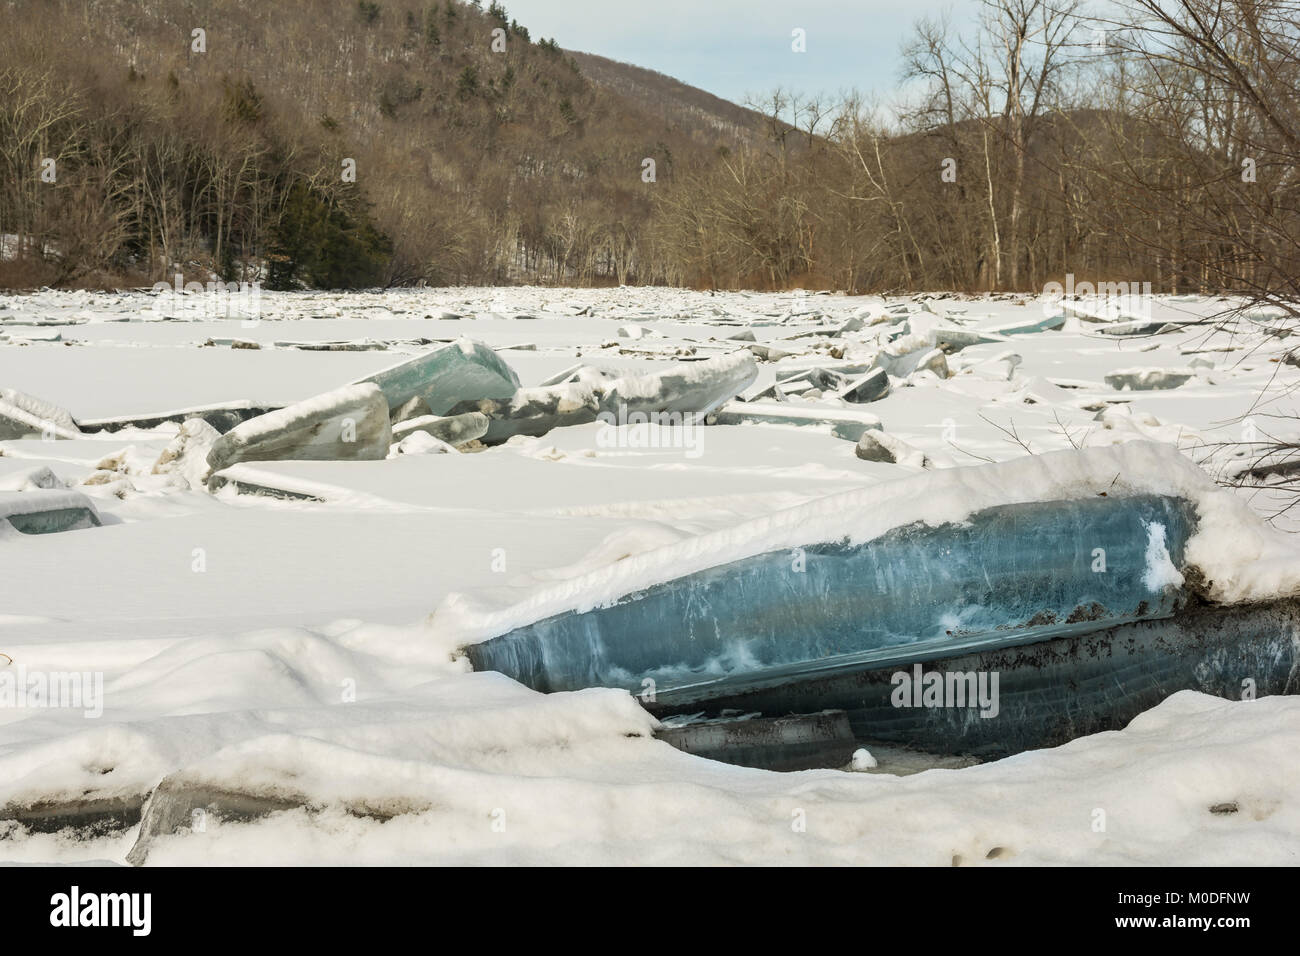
(376, 143)
(479, 156)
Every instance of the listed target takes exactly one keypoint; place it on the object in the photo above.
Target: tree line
(1154, 141)
(1157, 144)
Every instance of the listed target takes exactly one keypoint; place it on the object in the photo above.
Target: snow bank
(1238, 557)
(605, 794)
(30, 479)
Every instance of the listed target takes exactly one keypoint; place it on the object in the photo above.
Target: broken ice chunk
(820, 378)
(222, 416)
(415, 408)
(1009, 574)
(767, 353)
(1023, 327)
(572, 373)
(1039, 391)
(868, 388)
(1139, 327)
(348, 423)
(952, 340)
(186, 457)
(47, 511)
(29, 479)
(999, 368)
(533, 411)
(853, 323)
(22, 416)
(465, 370)
(38, 408)
(845, 423)
(420, 443)
(697, 387)
(452, 429)
(1148, 379)
(586, 393)
(878, 446)
(918, 360)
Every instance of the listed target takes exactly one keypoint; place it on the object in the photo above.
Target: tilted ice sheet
(1009, 574)
(1239, 557)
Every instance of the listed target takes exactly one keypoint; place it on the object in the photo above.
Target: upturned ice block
(47, 511)
(349, 424)
(1010, 574)
(460, 372)
(685, 388)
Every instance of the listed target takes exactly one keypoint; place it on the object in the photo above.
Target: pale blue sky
(735, 47)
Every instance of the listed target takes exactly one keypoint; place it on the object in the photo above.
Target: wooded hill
(176, 149)
(138, 139)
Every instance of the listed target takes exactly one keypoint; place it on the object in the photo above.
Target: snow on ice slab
(547, 503)
(17, 421)
(47, 511)
(878, 446)
(222, 416)
(848, 424)
(45, 411)
(952, 340)
(902, 366)
(688, 387)
(446, 377)
(1028, 327)
(349, 423)
(455, 729)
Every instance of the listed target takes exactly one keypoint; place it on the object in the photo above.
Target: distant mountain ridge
(671, 100)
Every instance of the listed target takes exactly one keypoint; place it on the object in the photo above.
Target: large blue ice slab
(1010, 574)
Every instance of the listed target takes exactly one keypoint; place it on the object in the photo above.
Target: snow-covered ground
(292, 647)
